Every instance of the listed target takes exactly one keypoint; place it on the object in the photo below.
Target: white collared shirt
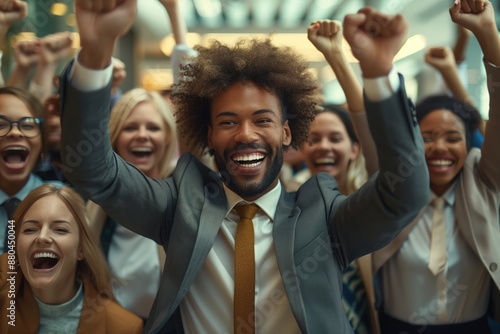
(208, 305)
(413, 294)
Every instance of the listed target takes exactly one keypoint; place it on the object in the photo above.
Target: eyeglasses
(30, 127)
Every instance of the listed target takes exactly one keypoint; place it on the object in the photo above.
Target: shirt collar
(267, 202)
(22, 193)
(449, 195)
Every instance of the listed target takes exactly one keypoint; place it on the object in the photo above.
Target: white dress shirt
(208, 305)
(135, 262)
(414, 295)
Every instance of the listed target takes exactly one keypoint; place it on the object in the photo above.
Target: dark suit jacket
(317, 230)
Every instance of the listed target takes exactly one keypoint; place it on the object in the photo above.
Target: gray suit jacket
(317, 231)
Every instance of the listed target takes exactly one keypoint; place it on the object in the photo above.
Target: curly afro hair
(279, 70)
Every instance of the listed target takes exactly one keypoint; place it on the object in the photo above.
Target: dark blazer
(99, 315)
(317, 230)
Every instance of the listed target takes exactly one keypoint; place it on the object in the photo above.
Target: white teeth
(440, 162)
(249, 157)
(255, 164)
(142, 149)
(330, 161)
(16, 148)
(45, 255)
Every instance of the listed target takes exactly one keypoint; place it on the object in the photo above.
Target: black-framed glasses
(30, 127)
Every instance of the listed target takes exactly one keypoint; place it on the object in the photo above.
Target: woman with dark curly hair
(243, 255)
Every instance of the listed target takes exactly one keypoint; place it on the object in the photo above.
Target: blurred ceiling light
(300, 43)
(413, 44)
(157, 79)
(292, 12)
(71, 20)
(25, 36)
(76, 40)
(210, 12)
(167, 44)
(264, 12)
(58, 8)
(236, 14)
(321, 9)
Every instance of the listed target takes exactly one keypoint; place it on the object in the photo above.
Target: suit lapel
(193, 234)
(284, 236)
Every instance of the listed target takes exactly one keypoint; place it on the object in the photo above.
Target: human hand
(478, 16)
(26, 53)
(55, 47)
(119, 74)
(326, 36)
(441, 58)
(375, 38)
(12, 11)
(475, 15)
(100, 24)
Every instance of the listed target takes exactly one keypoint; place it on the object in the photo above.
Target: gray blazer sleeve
(372, 216)
(126, 194)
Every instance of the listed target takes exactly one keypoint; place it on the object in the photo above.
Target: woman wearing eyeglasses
(22, 145)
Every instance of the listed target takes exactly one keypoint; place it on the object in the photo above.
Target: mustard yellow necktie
(437, 255)
(244, 271)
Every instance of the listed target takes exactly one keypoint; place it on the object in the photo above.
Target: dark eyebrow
(233, 114)
(447, 132)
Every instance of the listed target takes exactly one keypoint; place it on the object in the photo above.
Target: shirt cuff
(381, 88)
(87, 80)
(490, 64)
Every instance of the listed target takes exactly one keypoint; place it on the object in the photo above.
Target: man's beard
(250, 188)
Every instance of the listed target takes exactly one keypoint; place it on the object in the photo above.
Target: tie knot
(438, 203)
(247, 210)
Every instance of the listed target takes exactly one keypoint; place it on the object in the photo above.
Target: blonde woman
(142, 132)
(54, 273)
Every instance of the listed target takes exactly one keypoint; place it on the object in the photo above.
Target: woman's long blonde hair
(124, 107)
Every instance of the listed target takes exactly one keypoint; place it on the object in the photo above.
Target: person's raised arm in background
(52, 49)
(11, 11)
(326, 36)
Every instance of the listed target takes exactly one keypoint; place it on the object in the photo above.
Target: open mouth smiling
(325, 162)
(44, 260)
(15, 156)
(142, 152)
(249, 160)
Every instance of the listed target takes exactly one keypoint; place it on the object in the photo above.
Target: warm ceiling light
(58, 9)
(76, 40)
(25, 36)
(157, 79)
(167, 44)
(413, 44)
(71, 20)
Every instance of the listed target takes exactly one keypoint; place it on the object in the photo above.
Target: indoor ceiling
(287, 19)
(427, 17)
